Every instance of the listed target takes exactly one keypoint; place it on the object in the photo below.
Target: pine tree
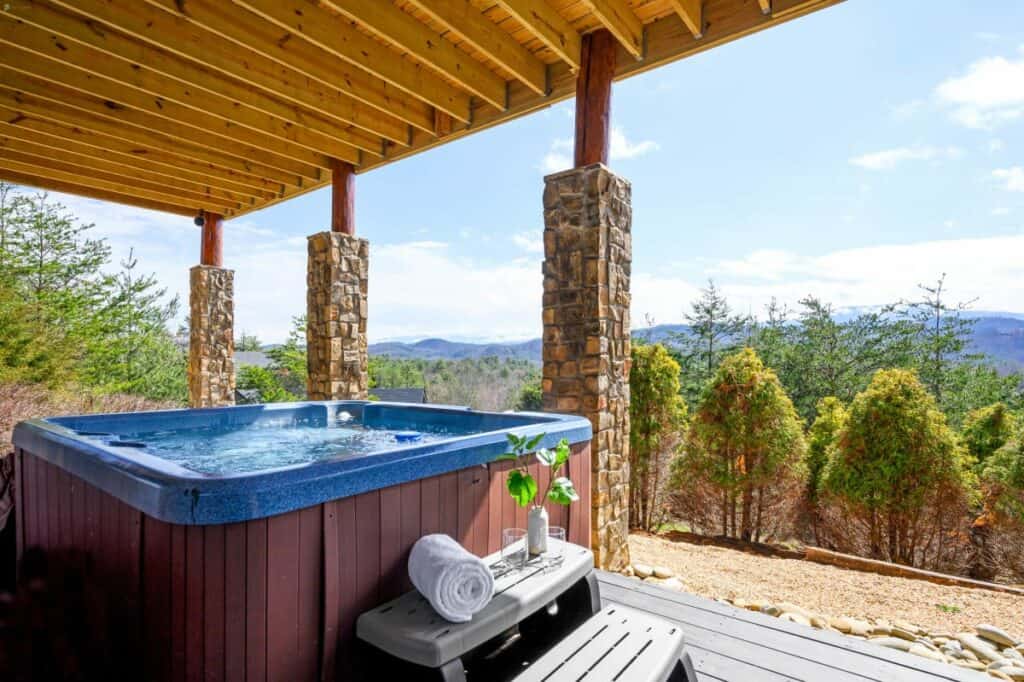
(714, 331)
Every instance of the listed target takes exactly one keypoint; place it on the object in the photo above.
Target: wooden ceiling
(232, 105)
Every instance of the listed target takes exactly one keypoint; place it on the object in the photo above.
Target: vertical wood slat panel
(195, 622)
(179, 602)
(472, 519)
(448, 497)
(63, 487)
(390, 542)
(350, 599)
(430, 505)
(129, 542)
(495, 487)
(256, 599)
(52, 509)
(213, 603)
(20, 515)
(332, 597)
(410, 529)
(78, 499)
(93, 506)
(234, 601)
(282, 596)
(310, 578)
(368, 538)
(156, 597)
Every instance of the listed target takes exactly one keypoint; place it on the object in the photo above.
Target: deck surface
(734, 645)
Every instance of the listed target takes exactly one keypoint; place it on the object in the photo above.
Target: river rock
(1015, 673)
(797, 618)
(983, 650)
(902, 633)
(970, 665)
(997, 635)
(860, 628)
(909, 627)
(643, 570)
(771, 610)
(628, 571)
(881, 629)
(892, 643)
(819, 622)
(786, 607)
(662, 572)
(841, 623)
(921, 650)
(674, 584)
(999, 675)
(756, 605)
(1014, 655)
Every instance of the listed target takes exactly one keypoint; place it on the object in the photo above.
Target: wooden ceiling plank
(464, 19)
(37, 52)
(617, 17)
(137, 63)
(338, 37)
(544, 22)
(29, 179)
(59, 135)
(54, 110)
(391, 23)
(82, 156)
(692, 14)
(257, 160)
(261, 53)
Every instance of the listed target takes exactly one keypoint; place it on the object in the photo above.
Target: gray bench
(539, 603)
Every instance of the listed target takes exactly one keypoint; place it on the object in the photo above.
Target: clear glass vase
(537, 530)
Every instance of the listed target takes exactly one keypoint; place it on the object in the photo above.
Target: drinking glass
(513, 547)
(556, 544)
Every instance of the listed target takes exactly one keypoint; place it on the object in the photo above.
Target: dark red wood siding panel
(276, 598)
(20, 515)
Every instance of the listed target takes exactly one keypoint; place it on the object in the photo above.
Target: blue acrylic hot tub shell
(171, 493)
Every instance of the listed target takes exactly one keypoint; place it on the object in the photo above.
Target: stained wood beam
(544, 22)
(56, 110)
(339, 38)
(59, 135)
(122, 196)
(38, 53)
(211, 246)
(617, 17)
(113, 55)
(343, 198)
(594, 98)
(466, 21)
(81, 157)
(766, 6)
(388, 21)
(692, 14)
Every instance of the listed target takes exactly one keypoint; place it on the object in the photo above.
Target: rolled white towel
(456, 583)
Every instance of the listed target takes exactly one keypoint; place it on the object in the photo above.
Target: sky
(851, 154)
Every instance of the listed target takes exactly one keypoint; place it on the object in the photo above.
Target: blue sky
(850, 154)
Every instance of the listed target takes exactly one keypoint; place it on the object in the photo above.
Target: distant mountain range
(998, 335)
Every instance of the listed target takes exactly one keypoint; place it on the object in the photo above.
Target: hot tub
(242, 542)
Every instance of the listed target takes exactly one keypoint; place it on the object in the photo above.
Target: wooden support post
(594, 98)
(212, 249)
(343, 197)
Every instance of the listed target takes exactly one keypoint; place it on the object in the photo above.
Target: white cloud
(1011, 178)
(999, 211)
(995, 145)
(887, 159)
(530, 242)
(907, 110)
(620, 148)
(989, 94)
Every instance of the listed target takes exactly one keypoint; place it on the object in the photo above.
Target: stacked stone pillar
(211, 344)
(587, 259)
(336, 316)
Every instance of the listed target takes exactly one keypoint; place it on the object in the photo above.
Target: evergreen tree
(821, 439)
(986, 430)
(744, 452)
(248, 342)
(657, 415)
(714, 331)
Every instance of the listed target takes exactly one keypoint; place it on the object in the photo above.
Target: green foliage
(744, 451)
(265, 380)
(821, 438)
(714, 332)
(388, 372)
(531, 396)
(66, 321)
(248, 342)
(657, 414)
(1003, 477)
(896, 464)
(522, 486)
(987, 429)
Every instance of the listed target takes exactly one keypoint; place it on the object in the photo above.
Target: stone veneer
(211, 341)
(336, 316)
(587, 258)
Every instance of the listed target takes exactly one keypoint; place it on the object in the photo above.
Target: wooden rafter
(465, 20)
(339, 38)
(617, 17)
(35, 52)
(146, 58)
(692, 14)
(766, 6)
(548, 26)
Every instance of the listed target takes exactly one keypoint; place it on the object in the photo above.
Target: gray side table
(408, 628)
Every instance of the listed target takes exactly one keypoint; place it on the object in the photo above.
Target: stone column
(587, 257)
(211, 341)
(336, 284)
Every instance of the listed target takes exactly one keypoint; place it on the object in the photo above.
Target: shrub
(986, 430)
(820, 439)
(742, 465)
(897, 479)
(657, 415)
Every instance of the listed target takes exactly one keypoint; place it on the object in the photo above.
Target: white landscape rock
(996, 635)
(982, 649)
(674, 584)
(662, 572)
(642, 570)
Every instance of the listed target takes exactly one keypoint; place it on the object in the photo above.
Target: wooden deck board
(733, 645)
